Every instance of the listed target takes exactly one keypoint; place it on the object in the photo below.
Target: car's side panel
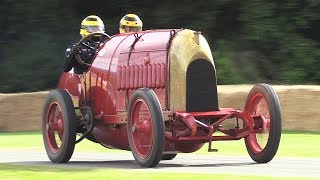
(103, 80)
(142, 63)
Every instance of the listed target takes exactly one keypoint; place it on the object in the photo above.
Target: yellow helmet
(130, 23)
(91, 24)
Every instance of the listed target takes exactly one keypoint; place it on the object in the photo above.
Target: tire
(263, 104)
(145, 127)
(59, 126)
(168, 156)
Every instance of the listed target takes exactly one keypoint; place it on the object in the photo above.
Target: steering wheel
(91, 41)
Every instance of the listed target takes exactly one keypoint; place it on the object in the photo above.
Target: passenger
(90, 24)
(130, 23)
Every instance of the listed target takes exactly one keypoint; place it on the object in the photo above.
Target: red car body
(178, 67)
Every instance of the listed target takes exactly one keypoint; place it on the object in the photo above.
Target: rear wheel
(263, 105)
(59, 126)
(145, 127)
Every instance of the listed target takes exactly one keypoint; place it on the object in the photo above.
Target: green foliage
(252, 40)
(283, 32)
(226, 71)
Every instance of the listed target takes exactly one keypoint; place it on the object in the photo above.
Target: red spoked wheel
(59, 126)
(263, 105)
(145, 127)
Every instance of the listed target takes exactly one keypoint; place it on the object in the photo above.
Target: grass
(293, 144)
(10, 171)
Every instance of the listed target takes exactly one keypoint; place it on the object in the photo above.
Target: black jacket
(86, 54)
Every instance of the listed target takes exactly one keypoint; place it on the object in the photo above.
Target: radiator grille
(201, 87)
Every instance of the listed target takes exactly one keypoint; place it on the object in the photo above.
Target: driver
(130, 23)
(90, 24)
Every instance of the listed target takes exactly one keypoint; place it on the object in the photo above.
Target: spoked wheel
(59, 126)
(263, 105)
(145, 127)
(168, 156)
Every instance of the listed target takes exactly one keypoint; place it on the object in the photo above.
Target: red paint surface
(112, 79)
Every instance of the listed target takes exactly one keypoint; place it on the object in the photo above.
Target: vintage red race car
(154, 93)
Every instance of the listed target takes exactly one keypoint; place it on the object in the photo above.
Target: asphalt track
(278, 167)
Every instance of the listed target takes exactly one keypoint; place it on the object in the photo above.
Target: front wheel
(145, 127)
(263, 105)
(59, 126)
